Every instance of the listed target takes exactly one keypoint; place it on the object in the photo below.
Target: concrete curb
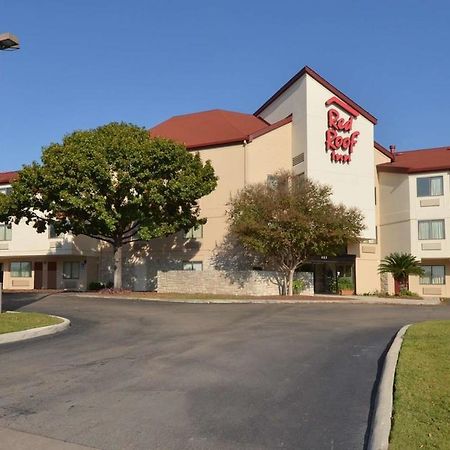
(32, 333)
(342, 300)
(381, 423)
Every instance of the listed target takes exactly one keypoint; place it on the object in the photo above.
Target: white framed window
(194, 233)
(20, 269)
(433, 275)
(430, 186)
(5, 190)
(193, 265)
(431, 229)
(71, 270)
(5, 232)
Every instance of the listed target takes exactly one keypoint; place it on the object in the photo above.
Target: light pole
(8, 42)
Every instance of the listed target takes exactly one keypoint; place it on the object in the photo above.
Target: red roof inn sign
(340, 139)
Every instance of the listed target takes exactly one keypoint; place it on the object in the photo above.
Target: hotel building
(308, 126)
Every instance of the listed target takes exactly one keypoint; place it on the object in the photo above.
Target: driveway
(142, 375)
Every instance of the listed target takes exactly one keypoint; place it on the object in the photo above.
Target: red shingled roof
(422, 160)
(208, 128)
(7, 177)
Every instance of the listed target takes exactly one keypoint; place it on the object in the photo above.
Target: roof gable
(308, 71)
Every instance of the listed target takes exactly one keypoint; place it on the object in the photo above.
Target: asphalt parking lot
(144, 375)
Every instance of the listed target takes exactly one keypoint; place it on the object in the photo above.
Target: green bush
(96, 286)
(407, 293)
(345, 283)
(298, 286)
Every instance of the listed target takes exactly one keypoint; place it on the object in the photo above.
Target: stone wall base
(251, 282)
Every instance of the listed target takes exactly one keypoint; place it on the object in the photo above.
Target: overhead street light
(8, 42)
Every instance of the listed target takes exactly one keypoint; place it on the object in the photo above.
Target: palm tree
(400, 265)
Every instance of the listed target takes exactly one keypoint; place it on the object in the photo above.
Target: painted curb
(32, 333)
(381, 423)
(344, 300)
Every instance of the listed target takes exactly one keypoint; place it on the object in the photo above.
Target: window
(272, 181)
(5, 190)
(71, 270)
(193, 265)
(5, 232)
(430, 186)
(194, 233)
(433, 275)
(20, 269)
(431, 229)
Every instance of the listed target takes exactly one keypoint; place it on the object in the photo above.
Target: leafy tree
(400, 265)
(290, 219)
(112, 183)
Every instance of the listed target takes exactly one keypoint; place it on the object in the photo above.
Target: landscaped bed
(422, 389)
(151, 295)
(10, 322)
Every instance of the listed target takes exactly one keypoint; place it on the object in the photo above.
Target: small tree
(112, 183)
(400, 265)
(290, 219)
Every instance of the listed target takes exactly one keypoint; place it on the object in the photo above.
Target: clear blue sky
(84, 63)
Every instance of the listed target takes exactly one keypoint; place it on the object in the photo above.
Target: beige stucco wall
(394, 213)
(269, 153)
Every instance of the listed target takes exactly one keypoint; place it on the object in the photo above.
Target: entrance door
(325, 281)
(51, 275)
(1, 273)
(38, 279)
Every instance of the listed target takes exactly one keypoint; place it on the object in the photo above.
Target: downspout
(244, 144)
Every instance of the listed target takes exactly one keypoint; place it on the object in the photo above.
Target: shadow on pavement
(11, 301)
(373, 395)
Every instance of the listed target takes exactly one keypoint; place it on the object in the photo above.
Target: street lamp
(8, 42)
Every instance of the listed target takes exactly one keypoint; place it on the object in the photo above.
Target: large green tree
(290, 219)
(112, 183)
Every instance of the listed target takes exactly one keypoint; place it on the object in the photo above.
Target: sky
(84, 63)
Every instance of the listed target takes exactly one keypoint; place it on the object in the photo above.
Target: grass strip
(421, 418)
(10, 322)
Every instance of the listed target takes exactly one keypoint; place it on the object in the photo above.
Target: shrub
(298, 286)
(96, 286)
(407, 293)
(345, 283)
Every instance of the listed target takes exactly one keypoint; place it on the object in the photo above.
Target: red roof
(422, 160)
(208, 128)
(7, 177)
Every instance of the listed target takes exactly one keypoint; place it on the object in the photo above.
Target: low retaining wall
(251, 282)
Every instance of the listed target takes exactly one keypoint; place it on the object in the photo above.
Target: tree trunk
(291, 282)
(118, 267)
(284, 284)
